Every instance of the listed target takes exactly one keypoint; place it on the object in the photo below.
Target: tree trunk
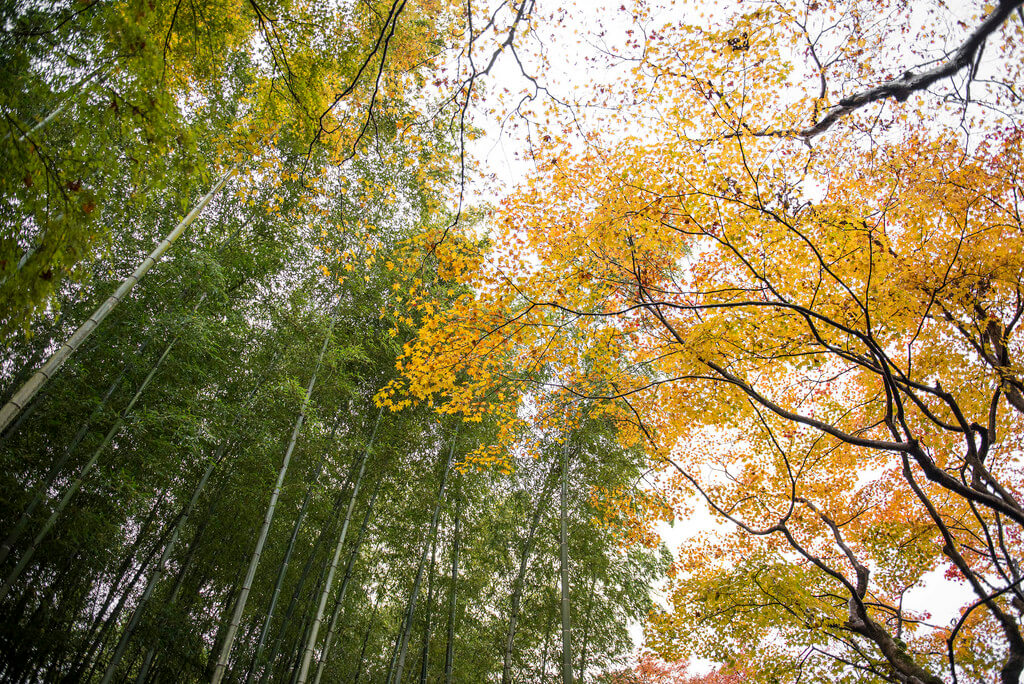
(520, 581)
(294, 601)
(403, 636)
(236, 618)
(344, 584)
(158, 573)
(23, 396)
(449, 654)
(47, 481)
(325, 594)
(286, 561)
(563, 545)
(426, 616)
(73, 488)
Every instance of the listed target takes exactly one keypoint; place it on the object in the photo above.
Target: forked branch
(911, 82)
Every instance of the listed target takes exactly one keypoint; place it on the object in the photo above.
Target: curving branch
(911, 82)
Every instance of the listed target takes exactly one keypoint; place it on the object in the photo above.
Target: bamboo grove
(282, 403)
(201, 203)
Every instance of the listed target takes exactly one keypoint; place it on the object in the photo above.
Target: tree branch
(910, 82)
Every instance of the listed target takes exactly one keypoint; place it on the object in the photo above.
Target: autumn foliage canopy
(786, 255)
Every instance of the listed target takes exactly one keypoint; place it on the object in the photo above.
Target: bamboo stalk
(23, 396)
(76, 485)
(563, 546)
(449, 654)
(344, 586)
(403, 638)
(236, 618)
(315, 628)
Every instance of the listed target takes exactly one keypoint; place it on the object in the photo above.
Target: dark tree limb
(911, 82)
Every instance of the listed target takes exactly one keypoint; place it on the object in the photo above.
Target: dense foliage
(281, 405)
(205, 487)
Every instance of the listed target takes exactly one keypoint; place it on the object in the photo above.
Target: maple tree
(801, 294)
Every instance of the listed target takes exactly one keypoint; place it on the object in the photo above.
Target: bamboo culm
(293, 605)
(298, 647)
(279, 583)
(520, 581)
(425, 647)
(236, 617)
(315, 628)
(161, 566)
(218, 457)
(24, 395)
(403, 637)
(366, 637)
(69, 96)
(98, 645)
(563, 546)
(88, 644)
(449, 654)
(83, 430)
(544, 660)
(47, 481)
(74, 487)
(147, 662)
(325, 653)
(297, 591)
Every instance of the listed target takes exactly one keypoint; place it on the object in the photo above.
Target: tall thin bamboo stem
(158, 573)
(449, 651)
(366, 637)
(283, 570)
(315, 628)
(23, 396)
(297, 591)
(44, 486)
(403, 637)
(69, 96)
(563, 546)
(520, 581)
(325, 653)
(99, 624)
(218, 457)
(236, 617)
(585, 642)
(147, 662)
(74, 487)
(425, 644)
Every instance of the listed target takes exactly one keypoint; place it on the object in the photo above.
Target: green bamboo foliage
(250, 573)
(139, 543)
(563, 555)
